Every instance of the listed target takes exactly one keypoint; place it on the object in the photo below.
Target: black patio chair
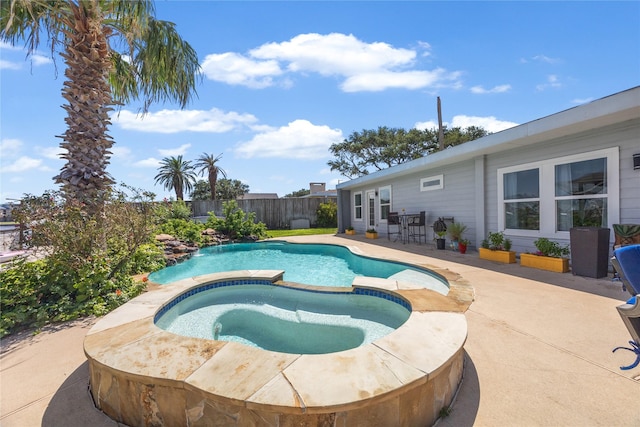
(417, 227)
(393, 221)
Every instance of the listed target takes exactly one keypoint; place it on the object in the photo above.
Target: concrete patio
(538, 351)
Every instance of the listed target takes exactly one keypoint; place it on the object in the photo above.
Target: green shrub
(183, 229)
(551, 249)
(496, 242)
(149, 257)
(327, 215)
(236, 224)
(88, 258)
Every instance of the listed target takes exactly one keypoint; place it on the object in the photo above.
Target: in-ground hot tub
(141, 374)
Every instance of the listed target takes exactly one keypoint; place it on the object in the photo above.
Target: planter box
(558, 265)
(507, 257)
(371, 235)
(350, 232)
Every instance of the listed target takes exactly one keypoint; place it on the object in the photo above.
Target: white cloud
(40, 59)
(388, 79)
(552, 83)
(53, 153)
(235, 69)
(10, 147)
(429, 124)
(179, 151)
(173, 121)
(546, 59)
(364, 66)
(490, 123)
(8, 65)
(300, 139)
(23, 164)
(579, 101)
(496, 89)
(151, 162)
(119, 152)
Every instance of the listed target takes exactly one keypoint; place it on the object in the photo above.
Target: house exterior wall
(470, 190)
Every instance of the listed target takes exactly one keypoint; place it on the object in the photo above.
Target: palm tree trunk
(88, 94)
(213, 180)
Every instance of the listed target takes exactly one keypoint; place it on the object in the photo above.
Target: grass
(300, 232)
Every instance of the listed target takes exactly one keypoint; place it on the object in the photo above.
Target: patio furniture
(417, 227)
(393, 221)
(626, 261)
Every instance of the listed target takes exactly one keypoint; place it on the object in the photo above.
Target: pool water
(313, 264)
(283, 319)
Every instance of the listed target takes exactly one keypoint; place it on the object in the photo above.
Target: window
(385, 202)
(548, 198)
(357, 206)
(522, 199)
(581, 194)
(432, 183)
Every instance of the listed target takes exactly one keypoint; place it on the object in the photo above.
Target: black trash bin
(589, 251)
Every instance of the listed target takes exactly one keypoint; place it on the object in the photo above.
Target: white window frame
(547, 195)
(438, 178)
(355, 216)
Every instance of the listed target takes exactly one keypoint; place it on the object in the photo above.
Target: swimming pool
(313, 264)
(282, 319)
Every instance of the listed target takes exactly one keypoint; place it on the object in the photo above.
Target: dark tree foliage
(230, 189)
(299, 193)
(373, 150)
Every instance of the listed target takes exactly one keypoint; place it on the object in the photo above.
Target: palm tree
(207, 163)
(153, 64)
(176, 174)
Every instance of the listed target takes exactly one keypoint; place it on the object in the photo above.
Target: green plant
(327, 214)
(456, 230)
(465, 242)
(350, 228)
(441, 234)
(183, 229)
(496, 242)
(236, 224)
(549, 248)
(371, 230)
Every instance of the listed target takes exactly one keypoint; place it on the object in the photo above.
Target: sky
(283, 81)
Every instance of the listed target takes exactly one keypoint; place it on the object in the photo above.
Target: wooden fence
(275, 213)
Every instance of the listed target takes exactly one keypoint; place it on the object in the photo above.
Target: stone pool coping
(128, 345)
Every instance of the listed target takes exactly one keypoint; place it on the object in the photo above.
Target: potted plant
(350, 231)
(462, 245)
(550, 256)
(497, 248)
(455, 231)
(440, 243)
(371, 233)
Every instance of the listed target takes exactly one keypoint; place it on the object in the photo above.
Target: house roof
(616, 108)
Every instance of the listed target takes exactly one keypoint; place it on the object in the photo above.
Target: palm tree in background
(153, 64)
(176, 174)
(207, 163)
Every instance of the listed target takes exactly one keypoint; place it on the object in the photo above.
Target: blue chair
(626, 262)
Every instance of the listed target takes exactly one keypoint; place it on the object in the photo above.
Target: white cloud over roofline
(174, 121)
(490, 123)
(299, 139)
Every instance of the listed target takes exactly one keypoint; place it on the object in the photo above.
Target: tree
(373, 150)
(153, 64)
(207, 163)
(201, 190)
(176, 174)
(231, 189)
(299, 193)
